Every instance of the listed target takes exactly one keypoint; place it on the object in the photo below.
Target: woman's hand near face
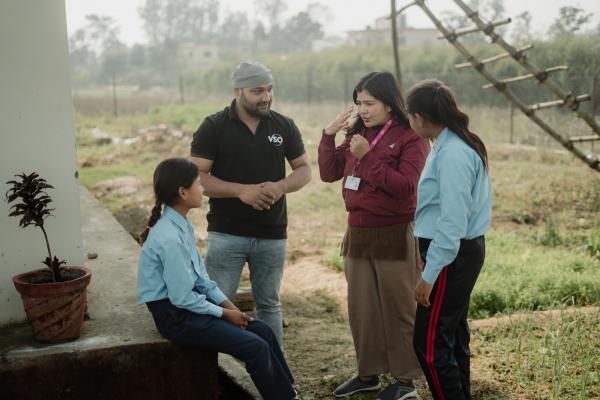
(341, 122)
(359, 146)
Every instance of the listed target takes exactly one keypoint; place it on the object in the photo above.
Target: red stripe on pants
(433, 319)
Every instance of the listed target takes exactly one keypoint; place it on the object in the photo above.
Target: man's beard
(254, 110)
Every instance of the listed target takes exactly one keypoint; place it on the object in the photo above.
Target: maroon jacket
(389, 175)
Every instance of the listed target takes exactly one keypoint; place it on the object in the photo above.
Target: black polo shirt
(240, 156)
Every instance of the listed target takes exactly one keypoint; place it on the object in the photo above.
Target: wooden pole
(395, 44)
(181, 90)
(512, 123)
(346, 89)
(523, 61)
(114, 93)
(308, 87)
(594, 95)
(592, 162)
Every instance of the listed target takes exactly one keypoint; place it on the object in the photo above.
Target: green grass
(121, 126)
(179, 116)
(89, 177)
(547, 255)
(521, 275)
(325, 200)
(333, 259)
(543, 250)
(187, 116)
(557, 359)
(592, 245)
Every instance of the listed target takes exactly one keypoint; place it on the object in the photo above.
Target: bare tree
(235, 31)
(570, 21)
(176, 21)
(319, 12)
(521, 32)
(270, 12)
(494, 10)
(102, 32)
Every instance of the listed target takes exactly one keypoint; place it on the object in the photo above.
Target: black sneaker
(355, 385)
(398, 391)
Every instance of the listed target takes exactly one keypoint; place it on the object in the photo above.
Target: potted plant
(54, 297)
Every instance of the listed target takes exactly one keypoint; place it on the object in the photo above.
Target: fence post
(346, 91)
(181, 90)
(308, 87)
(114, 93)
(512, 123)
(594, 95)
(394, 29)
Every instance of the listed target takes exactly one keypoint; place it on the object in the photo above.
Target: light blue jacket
(170, 266)
(454, 201)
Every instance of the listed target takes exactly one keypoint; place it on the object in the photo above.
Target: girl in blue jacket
(454, 209)
(188, 308)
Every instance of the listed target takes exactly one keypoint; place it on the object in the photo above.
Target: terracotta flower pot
(54, 310)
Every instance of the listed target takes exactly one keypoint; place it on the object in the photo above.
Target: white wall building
(382, 33)
(36, 134)
(197, 55)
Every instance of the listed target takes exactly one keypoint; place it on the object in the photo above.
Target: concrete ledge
(144, 372)
(119, 354)
(234, 371)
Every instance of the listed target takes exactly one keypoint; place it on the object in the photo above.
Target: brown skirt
(380, 242)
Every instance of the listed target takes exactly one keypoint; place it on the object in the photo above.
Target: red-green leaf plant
(28, 193)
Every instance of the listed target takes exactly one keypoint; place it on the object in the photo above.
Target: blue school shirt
(454, 201)
(170, 266)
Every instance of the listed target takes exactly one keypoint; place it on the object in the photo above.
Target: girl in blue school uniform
(188, 308)
(453, 213)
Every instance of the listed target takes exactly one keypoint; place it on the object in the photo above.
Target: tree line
(285, 44)
(332, 74)
(97, 53)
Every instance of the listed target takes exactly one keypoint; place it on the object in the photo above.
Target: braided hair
(170, 175)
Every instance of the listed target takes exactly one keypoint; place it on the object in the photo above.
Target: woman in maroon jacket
(380, 162)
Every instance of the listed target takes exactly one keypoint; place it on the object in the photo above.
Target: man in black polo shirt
(241, 153)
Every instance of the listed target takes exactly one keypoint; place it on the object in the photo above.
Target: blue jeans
(225, 258)
(256, 346)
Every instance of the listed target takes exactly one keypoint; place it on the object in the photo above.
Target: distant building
(328, 42)
(195, 55)
(381, 33)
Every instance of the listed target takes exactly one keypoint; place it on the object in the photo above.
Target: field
(543, 251)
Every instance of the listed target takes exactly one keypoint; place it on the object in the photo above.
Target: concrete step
(119, 355)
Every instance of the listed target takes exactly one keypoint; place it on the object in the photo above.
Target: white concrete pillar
(36, 134)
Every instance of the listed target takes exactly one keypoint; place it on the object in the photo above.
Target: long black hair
(170, 175)
(384, 87)
(436, 103)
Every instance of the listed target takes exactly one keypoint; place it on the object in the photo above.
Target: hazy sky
(345, 14)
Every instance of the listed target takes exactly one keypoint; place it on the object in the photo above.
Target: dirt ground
(318, 340)
(317, 336)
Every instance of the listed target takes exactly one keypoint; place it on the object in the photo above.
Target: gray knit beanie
(251, 74)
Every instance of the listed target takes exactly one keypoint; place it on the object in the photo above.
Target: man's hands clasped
(262, 196)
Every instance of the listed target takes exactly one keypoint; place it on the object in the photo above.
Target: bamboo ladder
(565, 99)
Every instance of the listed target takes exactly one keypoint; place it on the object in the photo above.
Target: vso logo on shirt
(276, 139)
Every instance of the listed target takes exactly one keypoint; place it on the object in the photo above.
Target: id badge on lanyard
(352, 182)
